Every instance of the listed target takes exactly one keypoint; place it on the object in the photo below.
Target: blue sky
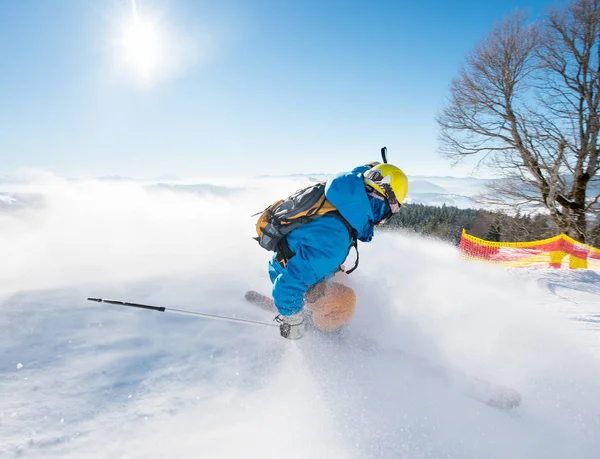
(237, 87)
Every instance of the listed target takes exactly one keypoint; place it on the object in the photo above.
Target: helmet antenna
(384, 154)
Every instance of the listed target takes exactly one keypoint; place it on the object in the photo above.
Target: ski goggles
(390, 196)
(375, 177)
(389, 210)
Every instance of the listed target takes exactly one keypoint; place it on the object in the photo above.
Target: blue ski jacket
(322, 245)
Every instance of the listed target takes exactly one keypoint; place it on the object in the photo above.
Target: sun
(141, 44)
(147, 48)
(141, 48)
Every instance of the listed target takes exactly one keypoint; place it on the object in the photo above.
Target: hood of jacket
(347, 193)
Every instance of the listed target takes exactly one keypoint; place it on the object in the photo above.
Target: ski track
(83, 380)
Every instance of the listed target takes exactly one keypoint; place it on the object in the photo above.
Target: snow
(104, 381)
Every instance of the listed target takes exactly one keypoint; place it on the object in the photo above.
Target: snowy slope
(83, 380)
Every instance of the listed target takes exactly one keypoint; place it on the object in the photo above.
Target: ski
(261, 301)
(491, 394)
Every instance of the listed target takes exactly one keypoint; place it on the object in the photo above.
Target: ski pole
(181, 311)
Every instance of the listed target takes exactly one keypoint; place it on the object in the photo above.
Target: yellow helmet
(390, 182)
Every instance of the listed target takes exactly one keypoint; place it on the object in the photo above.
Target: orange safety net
(555, 252)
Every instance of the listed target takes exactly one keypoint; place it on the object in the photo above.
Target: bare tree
(526, 102)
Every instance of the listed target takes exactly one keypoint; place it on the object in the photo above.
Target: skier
(303, 290)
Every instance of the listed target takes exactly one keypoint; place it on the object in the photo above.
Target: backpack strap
(355, 245)
(353, 240)
(283, 252)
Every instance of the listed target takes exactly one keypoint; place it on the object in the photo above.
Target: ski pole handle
(126, 303)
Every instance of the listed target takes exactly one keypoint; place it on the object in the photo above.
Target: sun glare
(142, 48)
(147, 48)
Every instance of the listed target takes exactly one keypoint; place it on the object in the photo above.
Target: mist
(86, 380)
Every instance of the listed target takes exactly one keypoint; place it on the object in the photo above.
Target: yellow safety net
(555, 252)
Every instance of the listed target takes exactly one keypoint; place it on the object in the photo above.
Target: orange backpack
(285, 215)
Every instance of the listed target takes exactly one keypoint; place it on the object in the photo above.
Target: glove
(292, 327)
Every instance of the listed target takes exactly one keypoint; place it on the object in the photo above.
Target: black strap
(355, 245)
(283, 252)
(353, 240)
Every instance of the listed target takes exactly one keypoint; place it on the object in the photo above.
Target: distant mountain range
(430, 190)
(452, 191)
(434, 190)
